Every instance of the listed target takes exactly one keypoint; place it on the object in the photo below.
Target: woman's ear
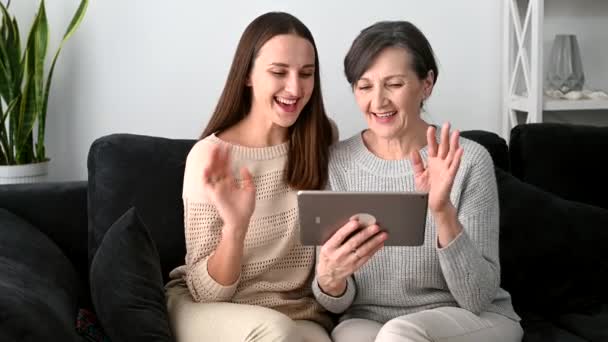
(428, 84)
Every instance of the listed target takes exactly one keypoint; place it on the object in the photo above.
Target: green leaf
(27, 115)
(25, 155)
(6, 82)
(5, 139)
(6, 79)
(35, 54)
(74, 24)
(14, 52)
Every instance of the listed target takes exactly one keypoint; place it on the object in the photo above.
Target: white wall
(157, 67)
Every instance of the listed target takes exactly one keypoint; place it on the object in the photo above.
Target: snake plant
(24, 87)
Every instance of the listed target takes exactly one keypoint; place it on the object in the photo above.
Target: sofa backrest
(127, 170)
(496, 145)
(562, 159)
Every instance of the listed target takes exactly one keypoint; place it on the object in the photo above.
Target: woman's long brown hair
(310, 135)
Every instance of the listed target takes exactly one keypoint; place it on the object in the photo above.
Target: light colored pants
(197, 322)
(445, 324)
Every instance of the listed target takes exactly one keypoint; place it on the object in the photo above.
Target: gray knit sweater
(402, 280)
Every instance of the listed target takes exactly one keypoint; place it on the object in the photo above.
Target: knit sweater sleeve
(470, 263)
(203, 227)
(335, 304)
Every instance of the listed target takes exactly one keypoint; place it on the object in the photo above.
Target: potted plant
(24, 94)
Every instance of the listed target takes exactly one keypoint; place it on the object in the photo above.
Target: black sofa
(554, 225)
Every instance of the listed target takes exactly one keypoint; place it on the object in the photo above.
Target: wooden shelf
(520, 103)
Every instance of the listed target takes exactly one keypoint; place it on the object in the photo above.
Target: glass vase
(565, 69)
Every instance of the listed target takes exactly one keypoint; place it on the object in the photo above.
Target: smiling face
(282, 79)
(390, 93)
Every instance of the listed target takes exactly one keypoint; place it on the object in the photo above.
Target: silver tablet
(401, 214)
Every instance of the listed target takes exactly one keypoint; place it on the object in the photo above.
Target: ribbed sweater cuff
(458, 257)
(335, 304)
(206, 288)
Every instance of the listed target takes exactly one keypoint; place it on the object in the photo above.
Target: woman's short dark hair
(384, 34)
(310, 135)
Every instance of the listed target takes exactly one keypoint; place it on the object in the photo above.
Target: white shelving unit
(523, 71)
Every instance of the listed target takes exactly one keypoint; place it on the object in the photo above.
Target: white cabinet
(523, 71)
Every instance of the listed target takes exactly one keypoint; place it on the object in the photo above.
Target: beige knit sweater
(276, 270)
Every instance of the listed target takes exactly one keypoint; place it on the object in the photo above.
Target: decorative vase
(565, 72)
(21, 174)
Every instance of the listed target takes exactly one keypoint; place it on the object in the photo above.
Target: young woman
(246, 277)
(448, 289)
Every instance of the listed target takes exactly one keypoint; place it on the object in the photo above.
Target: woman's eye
(278, 73)
(306, 75)
(364, 87)
(395, 85)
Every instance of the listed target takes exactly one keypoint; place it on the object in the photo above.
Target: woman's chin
(385, 133)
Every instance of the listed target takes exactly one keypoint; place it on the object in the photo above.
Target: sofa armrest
(59, 210)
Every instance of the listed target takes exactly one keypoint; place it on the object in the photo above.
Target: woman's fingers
(431, 141)
(417, 163)
(454, 145)
(207, 177)
(341, 235)
(359, 239)
(364, 259)
(444, 143)
(456, 162)
(368, 247)
(218, 168)
(247, 179)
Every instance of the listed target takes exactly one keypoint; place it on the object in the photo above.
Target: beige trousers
(445, 324)
(199, 322)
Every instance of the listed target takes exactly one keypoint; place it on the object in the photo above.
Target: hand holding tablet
(401, 214)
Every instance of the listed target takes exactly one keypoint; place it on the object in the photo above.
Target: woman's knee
(276, 327)
(401, 329)
(356, 329)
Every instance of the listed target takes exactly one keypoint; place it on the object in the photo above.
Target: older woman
(449, 288)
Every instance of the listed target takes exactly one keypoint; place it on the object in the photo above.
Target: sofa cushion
(127, 284)
(541, 329)
(127, 170)
(551, 249)
(39, 287)
(562, 159)
(59, 210)
(591, 326)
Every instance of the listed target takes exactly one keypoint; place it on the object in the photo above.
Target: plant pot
(21, 174)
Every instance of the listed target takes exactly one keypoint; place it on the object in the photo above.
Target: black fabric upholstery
(562, 159)
(552, 251)
(540, 329)
(496, 146)
(127, 170)
(553, 228)
(592, 326)
(38, 286)
(59, 210)
(127, 285)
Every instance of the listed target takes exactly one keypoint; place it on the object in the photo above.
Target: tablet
(401, 214)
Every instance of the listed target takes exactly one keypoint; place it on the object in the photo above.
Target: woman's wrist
(448, 226)
(335, 288)
(234, 233)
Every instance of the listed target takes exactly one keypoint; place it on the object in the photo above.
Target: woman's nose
(294, 85)
(379, 99)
